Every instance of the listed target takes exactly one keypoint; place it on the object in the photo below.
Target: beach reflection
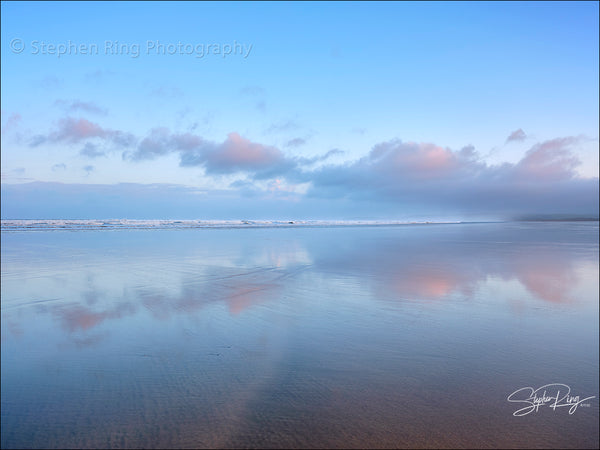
(78, 317)
(547, 275)
(396, 266)
(434, 267)
(307, 337)
(237, 290)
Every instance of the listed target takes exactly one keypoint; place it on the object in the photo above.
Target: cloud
(549, 160)
(429, 177)
(412, 161)
(97, 76)
(296, 142)
(282, 127)
(161, 142)
(78, 105)
(165, 91)
(91, 151)
(516, 136)
(252, 91)
(257, 94)
(395, 168)
(261, 105)
(89, 169)
(315, 159)
(240, 154)
(15, 174)
(416, 176)
(235, 154)
(130, 200)
(395, 175)
(74, 131)
(11, 122)
(36, 140)
(61, 166)
(51, 82)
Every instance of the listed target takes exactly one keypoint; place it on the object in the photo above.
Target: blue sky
(309, 110)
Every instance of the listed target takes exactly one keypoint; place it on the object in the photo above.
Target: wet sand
(341, 337)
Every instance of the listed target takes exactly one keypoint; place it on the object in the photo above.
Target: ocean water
(182, 334)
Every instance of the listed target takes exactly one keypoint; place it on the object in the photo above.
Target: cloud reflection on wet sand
(401, 269)
(297, 338)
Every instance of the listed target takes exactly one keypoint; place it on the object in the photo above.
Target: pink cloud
(418, 161)
(549, 160)
(76, 130)
(240, 153)
(426, 176)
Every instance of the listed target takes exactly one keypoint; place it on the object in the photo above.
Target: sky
(401, 111)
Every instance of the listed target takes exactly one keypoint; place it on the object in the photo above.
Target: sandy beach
(399, 336)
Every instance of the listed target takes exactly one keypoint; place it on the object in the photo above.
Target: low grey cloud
(252, 91)
(11, 122)
(150, 201)
(516, 136)
(414, 175)
(296, 142)
(257, 95)
(161, 141)
(282, 127)
(51, 82)
(261, 105)
(14, 175)
(358, 130)
(91, 151)
(166, 91)
(421, 175)
(78, 105)
(97, 76)
(37, 140)
(302, 161)
(405, 174)
(235, 154)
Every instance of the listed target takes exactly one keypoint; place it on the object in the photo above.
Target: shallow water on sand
(388, 336)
